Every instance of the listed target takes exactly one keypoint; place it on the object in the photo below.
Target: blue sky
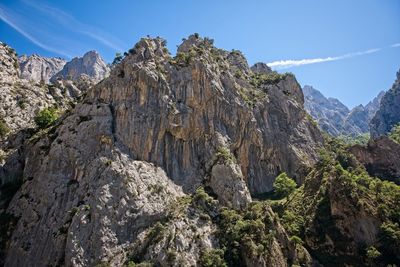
(352, 44)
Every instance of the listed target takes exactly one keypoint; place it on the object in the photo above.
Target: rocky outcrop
(90, 65)
(21, 100)
(335, 118)
(260, 67)
(388, 114)
(380, 157)
(39, 69)
(99, 186)
(341, 213)
(9, 71)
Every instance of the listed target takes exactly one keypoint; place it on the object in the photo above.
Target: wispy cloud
(55, 30)
(11, 19)
(71, 23)
(285, 64)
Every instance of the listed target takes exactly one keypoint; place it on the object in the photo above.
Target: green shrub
(284, 185)
(225, 154)
(296, 240)
(4, 129)
(250, 232)
(361, 139)
(293, 223)
(395, 133)
(212, 258)
(46, 117)
(268, 78)
(372, 253)
(118, 58)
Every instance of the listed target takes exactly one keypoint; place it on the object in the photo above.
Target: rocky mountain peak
(90, 64)
(260, 67)
(194, 40)
(39, 69)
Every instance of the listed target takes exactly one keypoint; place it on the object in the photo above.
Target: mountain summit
(90, 64)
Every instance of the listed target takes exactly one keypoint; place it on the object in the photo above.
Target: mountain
(90, 64)
(140, 144)
(191, 160)
(329, 113)
(335, 118)
(39, 69)
(388, 114)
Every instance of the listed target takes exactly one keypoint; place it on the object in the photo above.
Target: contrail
(285, 64)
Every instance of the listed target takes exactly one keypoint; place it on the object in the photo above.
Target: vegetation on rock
(46, 117)
(284, 185)
(395, 133)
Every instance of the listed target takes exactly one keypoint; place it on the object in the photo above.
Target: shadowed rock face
(143, 139)
(39, 69)
(380, 157)
(91, 64)
(388, 114)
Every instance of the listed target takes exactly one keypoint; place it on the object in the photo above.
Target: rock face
(141, 143)
(20, 101)
(9, 70)
(335, 118)
(388, 114)
(39, 69)
(380, 157)
(91, 64)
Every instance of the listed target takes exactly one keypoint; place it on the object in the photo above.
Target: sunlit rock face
(39, 69)
(142, 141)
(388, 114)
(91, 64)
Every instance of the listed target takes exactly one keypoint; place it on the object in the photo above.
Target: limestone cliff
(91, 65)
(388, 114)
(117, 180)
(39, 69)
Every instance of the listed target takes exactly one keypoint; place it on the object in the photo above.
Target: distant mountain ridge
(335, 118)
(39, 69)
(90, 66)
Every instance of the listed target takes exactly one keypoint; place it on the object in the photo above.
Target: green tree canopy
(284, 185)
(46, 117)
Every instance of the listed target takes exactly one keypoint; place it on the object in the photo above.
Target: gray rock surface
(335, 118)
(90, 64)
(388, 114)
(100, 185)
(39, 69)
(260, 67)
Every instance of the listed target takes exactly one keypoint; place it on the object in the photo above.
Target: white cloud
(285, 64)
